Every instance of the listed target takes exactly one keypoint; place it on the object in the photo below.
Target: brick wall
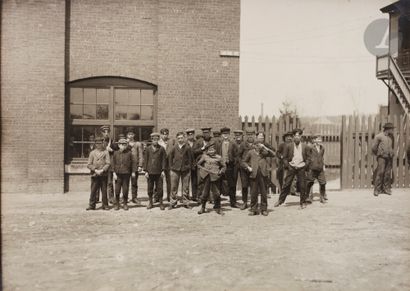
(32, 91)
(114, 38)
(196, 86)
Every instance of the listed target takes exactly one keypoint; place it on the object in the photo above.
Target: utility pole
(262, 110)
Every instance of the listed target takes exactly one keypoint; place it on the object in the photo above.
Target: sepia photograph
(205, 145)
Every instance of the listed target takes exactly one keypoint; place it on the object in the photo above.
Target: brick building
(70, 66)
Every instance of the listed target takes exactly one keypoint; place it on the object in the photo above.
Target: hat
(122, 141)
(130, 130)
(316, 135)
(206, 129)
(99, 140)
(289, 133)
(217, 133)
(190, 130)
(250, 130)
(297, 130)
(164, 131)
(388, 125)
(105, 127)
(225, 130)
(238, 132)
(154, 134)
(210, 144)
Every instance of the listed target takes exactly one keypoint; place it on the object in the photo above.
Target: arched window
(118, 102)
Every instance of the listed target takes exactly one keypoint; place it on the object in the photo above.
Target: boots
(323, 197)
(117, 206)
(125, 206)
(150, 204)
(202, 210)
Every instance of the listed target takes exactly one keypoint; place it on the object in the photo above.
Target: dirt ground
(355, 242)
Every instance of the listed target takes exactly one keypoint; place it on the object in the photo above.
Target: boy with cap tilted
(124, 166)
(98, 163)
(154, 167)
(210, 169)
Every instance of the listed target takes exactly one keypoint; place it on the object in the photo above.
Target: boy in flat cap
(168, 145)
(228, 150)
(198, 150)
(181, 162)
(124, 167)
(137, 155)
(154, 167)
(383, 149)
(99, 164)
(256, 164)
(243, 150)
(190, 133)
(296, 160)
(210, 169)
(110, 146)
(316, 169)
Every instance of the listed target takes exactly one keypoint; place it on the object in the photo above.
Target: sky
(310, 53)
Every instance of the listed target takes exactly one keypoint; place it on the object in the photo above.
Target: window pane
(90, 96)
(121, 96)
(76, 111)
(89, 112)
(120, 112)
(134, 96)
(119, 130)
(102, 111)
(134, 113)
(145, 133)
(147, 97)
(89, 133)
(76, 95)
(102, 96)
(147, 113)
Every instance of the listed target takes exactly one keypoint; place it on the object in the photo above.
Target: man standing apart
(383, 150)
(137, 155)
(181, 162)
(296, 161)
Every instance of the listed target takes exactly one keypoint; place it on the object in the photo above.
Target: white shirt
(297, 160)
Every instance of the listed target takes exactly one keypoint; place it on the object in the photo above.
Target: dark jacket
(123, 162)
(168, 146)
(154, 160)
(232, 152)
(288, 154)
(137, 153)
(197, 149)
(317, 160)
(181, 159)
(256, 160)
(243, 150)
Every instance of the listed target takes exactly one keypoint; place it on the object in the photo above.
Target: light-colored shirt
(297, 160)
(383, 145)
(225, 147)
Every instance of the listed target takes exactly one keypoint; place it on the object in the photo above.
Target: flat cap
(154, 134)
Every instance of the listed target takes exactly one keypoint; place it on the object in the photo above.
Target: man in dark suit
(228, 150)
(198, 149)
(111, 147)
(316, 169)
(190, 134)
(256, 164)
(296, 159)
(167, 144)
(243, 150)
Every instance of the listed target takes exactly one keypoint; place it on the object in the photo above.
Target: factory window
(121, 103)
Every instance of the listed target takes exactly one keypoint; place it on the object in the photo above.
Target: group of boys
(208, 166)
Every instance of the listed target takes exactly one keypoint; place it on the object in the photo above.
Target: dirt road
(355, 242)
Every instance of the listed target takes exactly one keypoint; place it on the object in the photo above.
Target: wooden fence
(275, 128)
(358, 162)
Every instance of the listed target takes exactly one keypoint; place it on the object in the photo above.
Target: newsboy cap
(238, 132)
(225, 130)
(388, 125)
(154, 134)
(105, 127)
(189, 130)
(206, 129)
(122, 141)
(297, 130)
